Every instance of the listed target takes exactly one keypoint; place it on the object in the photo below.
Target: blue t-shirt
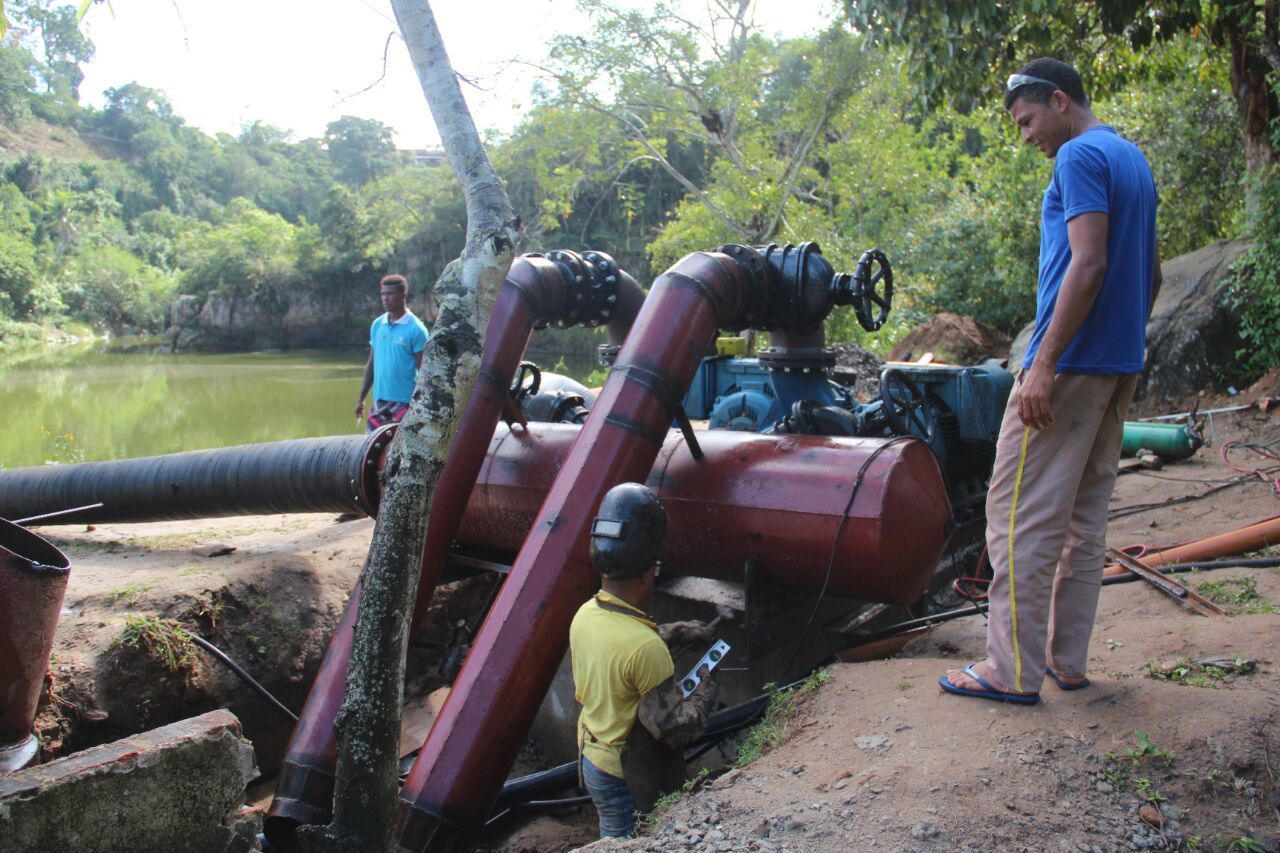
(1100, 171)
(394, 346)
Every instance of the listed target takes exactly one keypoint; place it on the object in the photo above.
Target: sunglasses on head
(1016, 81)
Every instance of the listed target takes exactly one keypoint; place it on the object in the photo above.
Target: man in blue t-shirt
(396, 341)
(1059, 446)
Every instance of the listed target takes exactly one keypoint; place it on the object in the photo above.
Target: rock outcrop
(1192, 335)
(304, 317)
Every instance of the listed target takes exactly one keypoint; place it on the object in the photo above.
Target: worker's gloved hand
(690, 631)
(704, 695)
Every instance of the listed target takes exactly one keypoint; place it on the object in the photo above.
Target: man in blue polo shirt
(1059, 446)
(396, 341)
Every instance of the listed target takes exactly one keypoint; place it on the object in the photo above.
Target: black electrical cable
(244, 676)
(835, 544)
(1205, 566)
(719, 726)
(1121, 512)
(1109, 580)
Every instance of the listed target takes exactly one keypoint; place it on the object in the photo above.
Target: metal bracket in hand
(710, 660)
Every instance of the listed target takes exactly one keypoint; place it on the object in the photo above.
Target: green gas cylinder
(1168, 440)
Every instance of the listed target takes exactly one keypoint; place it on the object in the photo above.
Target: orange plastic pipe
(1249, 538)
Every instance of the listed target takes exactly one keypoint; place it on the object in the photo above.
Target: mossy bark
(368, 726)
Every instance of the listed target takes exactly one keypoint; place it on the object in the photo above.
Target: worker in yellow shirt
(622, 669)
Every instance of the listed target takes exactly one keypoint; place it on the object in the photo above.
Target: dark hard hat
(626, 536)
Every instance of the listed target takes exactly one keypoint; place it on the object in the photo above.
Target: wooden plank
(418, 717)
(1188, 598)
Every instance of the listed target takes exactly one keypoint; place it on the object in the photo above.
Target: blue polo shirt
(394, 346)
(1100, 171)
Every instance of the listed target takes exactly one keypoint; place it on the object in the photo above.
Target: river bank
(21, 342)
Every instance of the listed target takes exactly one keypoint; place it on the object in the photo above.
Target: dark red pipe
(561, 287)
(33, 580)
(474, 741)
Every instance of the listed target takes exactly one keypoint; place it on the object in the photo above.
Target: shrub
(1255, 285)
(19, 277)
(114, 288)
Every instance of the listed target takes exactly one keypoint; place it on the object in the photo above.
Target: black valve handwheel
(872, 287)
(905, 407)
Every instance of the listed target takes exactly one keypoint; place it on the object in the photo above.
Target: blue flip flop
(988, 691)
(1065, 685)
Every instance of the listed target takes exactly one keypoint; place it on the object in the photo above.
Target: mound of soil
(859, 369)
(952, 338)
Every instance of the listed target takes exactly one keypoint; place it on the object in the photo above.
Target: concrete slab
(178, 787)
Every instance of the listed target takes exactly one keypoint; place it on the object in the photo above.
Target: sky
(300, 64)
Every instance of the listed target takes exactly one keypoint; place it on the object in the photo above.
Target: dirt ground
(877, 757)
(880, 758)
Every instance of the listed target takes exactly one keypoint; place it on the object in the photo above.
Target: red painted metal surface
(474, 741)
(536, 291)
(33, 579)
(774, 500)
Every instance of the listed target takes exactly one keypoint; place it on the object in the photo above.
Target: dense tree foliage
(652, 135)
(1166, 65)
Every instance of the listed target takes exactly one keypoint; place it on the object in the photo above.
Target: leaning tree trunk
(368, 725)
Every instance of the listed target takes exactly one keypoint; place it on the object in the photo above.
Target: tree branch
(1270, 47)
(636, 132)
(792, 173)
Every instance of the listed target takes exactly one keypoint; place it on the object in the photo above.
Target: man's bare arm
(417, 360)
(365, 385)
(1087, 234)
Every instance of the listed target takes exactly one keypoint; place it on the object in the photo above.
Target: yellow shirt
(616, 659)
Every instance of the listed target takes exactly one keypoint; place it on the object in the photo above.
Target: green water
(93, 403)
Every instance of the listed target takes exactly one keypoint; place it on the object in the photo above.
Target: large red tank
(775, 500)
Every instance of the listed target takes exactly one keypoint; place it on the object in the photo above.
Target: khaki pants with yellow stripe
(1047, 529)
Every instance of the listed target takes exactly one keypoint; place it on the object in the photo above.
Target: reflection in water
(88, 405)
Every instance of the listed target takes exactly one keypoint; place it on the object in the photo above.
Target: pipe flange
(603, 297)
(575, 276)
(797, 359)
(756, 310)
(372, 458)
